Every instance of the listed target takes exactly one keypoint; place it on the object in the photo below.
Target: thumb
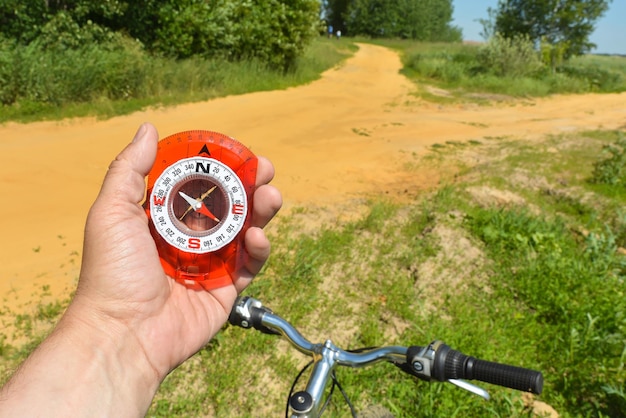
(125, 178)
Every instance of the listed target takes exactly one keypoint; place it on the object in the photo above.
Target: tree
(23, 20)
(563, 24)
(425, 20)
(272, 31)
(334, 11)
(20, 20)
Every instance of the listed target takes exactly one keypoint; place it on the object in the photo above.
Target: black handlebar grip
(452, 364)
(504, 375)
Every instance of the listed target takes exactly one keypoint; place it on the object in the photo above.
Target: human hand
(122, 279)
(129, 324)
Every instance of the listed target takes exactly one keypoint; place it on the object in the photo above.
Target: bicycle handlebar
(437, 361)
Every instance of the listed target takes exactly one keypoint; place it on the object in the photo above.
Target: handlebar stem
(324, 363)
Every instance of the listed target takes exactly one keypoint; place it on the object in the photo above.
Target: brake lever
(476, 390)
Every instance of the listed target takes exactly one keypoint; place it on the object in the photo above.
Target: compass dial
(198, 205)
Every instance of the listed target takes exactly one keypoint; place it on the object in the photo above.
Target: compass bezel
(163, 196)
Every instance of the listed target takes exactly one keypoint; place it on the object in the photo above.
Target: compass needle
(192, 203)
(185, 214)
(206, 212)
(198, 205)
(208, 192)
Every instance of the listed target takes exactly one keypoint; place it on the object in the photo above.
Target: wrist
(115, 358)
(86, 367)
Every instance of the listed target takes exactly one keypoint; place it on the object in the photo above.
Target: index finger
(265, 171)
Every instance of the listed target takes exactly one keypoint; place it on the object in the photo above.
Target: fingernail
(140, 132)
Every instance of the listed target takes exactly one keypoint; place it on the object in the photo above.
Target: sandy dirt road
(331, 141)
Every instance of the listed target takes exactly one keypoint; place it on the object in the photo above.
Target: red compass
(199, 205)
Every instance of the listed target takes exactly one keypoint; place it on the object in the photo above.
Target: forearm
(82, 371)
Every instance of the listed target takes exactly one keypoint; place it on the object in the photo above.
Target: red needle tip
(206, 212)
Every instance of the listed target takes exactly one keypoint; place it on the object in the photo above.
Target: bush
(562, 83)
(272, 31)
(10, 85)
(509, 57)
(63, 32)
(450, 67)
(598, 78)
(52, 73)
(612, 170)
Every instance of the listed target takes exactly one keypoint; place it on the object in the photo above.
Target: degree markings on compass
(224, 178)
(176, 171)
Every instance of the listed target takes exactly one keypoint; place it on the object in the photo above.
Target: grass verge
(38, 84)
(471, 71)
(105, 83)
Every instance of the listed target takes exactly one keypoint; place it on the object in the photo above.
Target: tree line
(561, 27)
(277, 31)
(272, 31)
(421, 20)
(58, 51)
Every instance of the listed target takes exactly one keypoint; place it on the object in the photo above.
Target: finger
(264, 172)
(126, 174)
(258, 248)
(258, 251)
(267, 202)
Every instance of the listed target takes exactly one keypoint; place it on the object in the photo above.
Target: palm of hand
(122, 278)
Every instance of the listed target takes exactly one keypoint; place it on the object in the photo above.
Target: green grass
(538, 284)
(105, 84)
(101, 82)
(460, 69)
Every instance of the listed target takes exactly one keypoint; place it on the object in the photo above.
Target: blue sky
(609, 36)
